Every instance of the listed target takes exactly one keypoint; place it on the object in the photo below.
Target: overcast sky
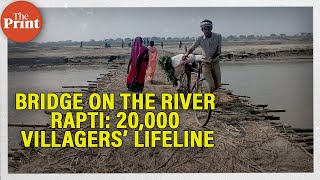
(81, 24)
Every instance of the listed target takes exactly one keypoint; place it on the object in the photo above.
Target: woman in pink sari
(152, 62)
(138, 65)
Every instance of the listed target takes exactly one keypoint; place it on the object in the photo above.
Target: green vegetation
(166, 66)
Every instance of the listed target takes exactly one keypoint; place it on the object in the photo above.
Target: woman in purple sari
(138, 65)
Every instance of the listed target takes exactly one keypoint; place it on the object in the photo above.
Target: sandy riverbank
(232, 52)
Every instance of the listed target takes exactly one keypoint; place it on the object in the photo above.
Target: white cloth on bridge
(178, 63)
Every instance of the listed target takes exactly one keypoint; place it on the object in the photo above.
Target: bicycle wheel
(203, 116)
(183, 83)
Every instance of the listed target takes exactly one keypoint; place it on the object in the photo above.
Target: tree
(231, 37)
(282, 35)
(309, 34)
(273, 35)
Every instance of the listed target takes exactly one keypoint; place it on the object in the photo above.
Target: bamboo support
(303, 144)
(67, 92)
(282, 125)
(303, 139)
(79, 86)
(302, 130)
(243, 96)
(48, 112)
(287, 131)
(262, 105)
(27, 125)
(309, 143)
(271, 117)
(305, 134)
(276, 123)
(17, 148)
(275, 110)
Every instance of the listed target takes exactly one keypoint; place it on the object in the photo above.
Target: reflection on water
(281, 86)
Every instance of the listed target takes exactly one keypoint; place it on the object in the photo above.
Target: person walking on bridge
(210, 44)
(152, 62)
(137, 66)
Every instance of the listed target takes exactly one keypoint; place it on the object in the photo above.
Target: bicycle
(200, 85)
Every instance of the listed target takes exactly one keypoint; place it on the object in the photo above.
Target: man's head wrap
(206, 23)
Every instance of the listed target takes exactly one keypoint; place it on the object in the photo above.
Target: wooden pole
(271, 117)
(67, 92)
(305, 133)
(262, 105)
(27, 125)
(302, 130)
(275, 110)
(303, 139)
(79, 86)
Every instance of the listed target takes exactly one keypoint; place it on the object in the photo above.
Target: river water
(43, 81)
(286, 86)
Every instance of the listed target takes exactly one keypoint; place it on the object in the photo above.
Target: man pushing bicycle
(210, 44)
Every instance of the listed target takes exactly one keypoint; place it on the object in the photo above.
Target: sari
(138, 66)
(152, 62)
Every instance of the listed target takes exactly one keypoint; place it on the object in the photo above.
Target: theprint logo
(21, 21)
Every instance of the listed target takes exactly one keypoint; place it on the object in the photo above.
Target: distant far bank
(253, 51)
